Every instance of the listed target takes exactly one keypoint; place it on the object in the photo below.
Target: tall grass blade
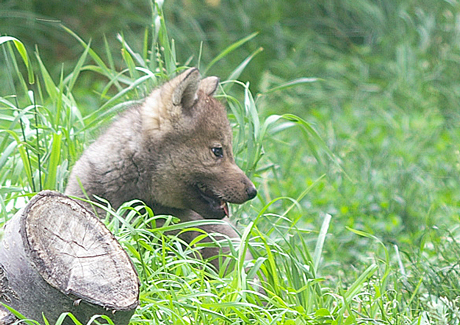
(50, 86)
(239, 69)
(320, 242)
(24, 151)
(76, 71)
(37, 139)
(22, 146)
(109, 73)
(291, 84)
(139, 59)
(20, 316)
(165, 46)
(229, 50)
(357, 286)
(54, 160)
(22, 52)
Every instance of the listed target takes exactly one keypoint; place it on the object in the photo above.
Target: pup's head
(190, 140)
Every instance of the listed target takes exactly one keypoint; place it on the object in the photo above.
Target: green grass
(348, 126)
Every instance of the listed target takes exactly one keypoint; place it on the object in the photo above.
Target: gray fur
(163, 153)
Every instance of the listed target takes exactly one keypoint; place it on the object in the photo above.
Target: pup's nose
(251, 191)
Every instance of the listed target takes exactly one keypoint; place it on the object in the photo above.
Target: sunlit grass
(351, 141)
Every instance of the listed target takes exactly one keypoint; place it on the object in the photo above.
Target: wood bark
(57, 257)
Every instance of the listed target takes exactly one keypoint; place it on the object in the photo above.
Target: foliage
(348, 125)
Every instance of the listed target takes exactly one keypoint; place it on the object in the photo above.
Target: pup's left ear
(185, 87)
(209, 85)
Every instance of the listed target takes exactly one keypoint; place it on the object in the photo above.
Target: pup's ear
(209, 85)
(165, 105)
(185, 87)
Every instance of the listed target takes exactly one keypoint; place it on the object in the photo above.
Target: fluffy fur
(174, 152)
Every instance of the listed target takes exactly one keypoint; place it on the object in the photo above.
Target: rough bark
(56, 257)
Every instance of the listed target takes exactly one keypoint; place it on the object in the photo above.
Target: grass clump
(348, 127)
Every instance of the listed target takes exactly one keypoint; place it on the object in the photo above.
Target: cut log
(57, 257)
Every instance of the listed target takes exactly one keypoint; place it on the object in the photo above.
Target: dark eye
(218, 152)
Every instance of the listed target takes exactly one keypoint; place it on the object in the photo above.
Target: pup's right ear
(209, 85)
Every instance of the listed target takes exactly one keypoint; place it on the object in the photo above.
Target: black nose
(252, 192)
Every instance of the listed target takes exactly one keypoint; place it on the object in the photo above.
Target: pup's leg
(223, 233)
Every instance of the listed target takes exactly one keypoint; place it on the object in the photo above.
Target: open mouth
(216, 203)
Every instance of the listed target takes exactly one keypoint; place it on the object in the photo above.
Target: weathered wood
(56, 257)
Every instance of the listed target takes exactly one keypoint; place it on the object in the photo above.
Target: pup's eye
(218, 152)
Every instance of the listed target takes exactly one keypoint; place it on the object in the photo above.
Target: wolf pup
(173, 152)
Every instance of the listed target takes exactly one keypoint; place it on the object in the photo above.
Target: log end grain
(56, 257)
(77, 254)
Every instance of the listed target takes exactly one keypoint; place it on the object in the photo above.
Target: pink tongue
(224, 206)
